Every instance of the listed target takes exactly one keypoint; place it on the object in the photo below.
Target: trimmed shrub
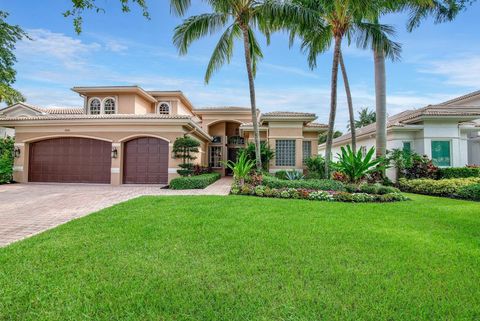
(442, 187)
(459, 172)
(6, 160)
(320, 196)
(194, 182)
(312, 184)
(471, 192)
(281, 174)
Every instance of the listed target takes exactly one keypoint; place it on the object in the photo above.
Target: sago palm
(238, 19)
(334, 21)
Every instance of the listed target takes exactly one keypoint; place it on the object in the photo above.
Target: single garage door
(145, 161)
(70, 160)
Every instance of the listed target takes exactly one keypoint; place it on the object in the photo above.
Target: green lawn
(247, 258)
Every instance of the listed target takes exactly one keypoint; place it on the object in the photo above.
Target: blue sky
(438, 61)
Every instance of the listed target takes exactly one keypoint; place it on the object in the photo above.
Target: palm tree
(349, 103)
(442, 10)
(335, 20)
(240, 19)
(365, 117)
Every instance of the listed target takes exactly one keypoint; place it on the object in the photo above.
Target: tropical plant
(365, 117)
(266, 153)
(336, 20)
(184, 148)
(241, 168)
(411, 165)
(315, 166)
(9, 35)
(6, 159)
(354, 165)
(294, 175)
(240, 19)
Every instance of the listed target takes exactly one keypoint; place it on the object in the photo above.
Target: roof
(115, 89)
(64, 110)
(464, 97)
(223, 108)
(101, 116)
(409, 117)
(287, 114)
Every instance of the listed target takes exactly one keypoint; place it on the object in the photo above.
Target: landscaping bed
(194, 182)
(467, 188)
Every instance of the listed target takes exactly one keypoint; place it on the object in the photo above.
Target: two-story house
(125, 134)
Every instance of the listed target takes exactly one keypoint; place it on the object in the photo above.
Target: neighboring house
(6, 132)
(448, 132)
(124, 135)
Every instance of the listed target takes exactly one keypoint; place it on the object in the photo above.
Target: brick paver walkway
(28, 209)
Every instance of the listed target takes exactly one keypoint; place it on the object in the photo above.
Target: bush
(6, 160)
(194, 182)
(320, 196)
(471, 192)
(442, 187)
(281, 174)
(312, 184)
(315, 166)
(459, 172)
(377, 189)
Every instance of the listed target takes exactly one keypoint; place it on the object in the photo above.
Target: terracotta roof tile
(287, 114)
(113, 116)
(64, 110)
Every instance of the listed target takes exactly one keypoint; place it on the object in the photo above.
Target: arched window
(109, 106)
(164, 108)
(94, 106)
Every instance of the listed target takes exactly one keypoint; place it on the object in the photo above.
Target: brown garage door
(70, 160)
(145, 161)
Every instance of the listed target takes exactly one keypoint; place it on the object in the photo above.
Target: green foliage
(365, 117)
(471, 192)
(242, 167)
(185, 147)
(442, 187)
(315, 167)
(9, 35)
(322, 138)
(459, 172)
(6, 160)
(354, 165)
(79, 6)
(412, 165)
(313, 184)
(266, 153)
(194, 182)
(376, 189)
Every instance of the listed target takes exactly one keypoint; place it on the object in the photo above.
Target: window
(441, 153)
(95, 106)
(109, 106)
(215, 156)
(307, 150)
(164, 108)
(216, 139)
(407, 147)
(285, 152)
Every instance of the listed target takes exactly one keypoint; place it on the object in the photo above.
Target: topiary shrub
(194, 182)
(459, 172)
(311, 184)
(6, 160)
(471, 192)
(184, 148)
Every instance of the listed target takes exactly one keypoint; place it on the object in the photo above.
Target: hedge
(313, 184)
(194, 182)
(459, 172)
(443, 187)
(6, 160)
(471, 192)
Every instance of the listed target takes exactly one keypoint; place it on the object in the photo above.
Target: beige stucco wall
(116, 134)
(142, 106)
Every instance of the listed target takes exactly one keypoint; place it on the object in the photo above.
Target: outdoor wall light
(114, 152)
(16, 152)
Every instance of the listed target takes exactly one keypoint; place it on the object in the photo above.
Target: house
(448, 132)
(125, 134)
(6, 132)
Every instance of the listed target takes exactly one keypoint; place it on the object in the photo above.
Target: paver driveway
(28, 209)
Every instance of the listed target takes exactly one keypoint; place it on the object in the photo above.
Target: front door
(231, 156)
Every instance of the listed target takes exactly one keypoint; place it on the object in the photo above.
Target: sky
(439, 61)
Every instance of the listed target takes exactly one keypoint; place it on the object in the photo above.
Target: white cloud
(461, 70)
(115, 46)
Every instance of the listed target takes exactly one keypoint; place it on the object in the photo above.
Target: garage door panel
(145, 161)
(70, 160)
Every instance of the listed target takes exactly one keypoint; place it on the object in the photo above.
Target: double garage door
(83, 160)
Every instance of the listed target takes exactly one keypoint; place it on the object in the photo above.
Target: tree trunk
(248, 62)
(333, 106)
(349, 102)
(380, 103)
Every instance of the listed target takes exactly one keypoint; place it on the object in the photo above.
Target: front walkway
(28, 209)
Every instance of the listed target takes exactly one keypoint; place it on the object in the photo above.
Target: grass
(247, 258)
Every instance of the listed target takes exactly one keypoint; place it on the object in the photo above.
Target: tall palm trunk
(380, 103)
(333, 106)
(248, 62)
(349, 102)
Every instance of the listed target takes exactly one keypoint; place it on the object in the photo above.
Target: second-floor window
(95, 107)
(164, 109)
(109, 106)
